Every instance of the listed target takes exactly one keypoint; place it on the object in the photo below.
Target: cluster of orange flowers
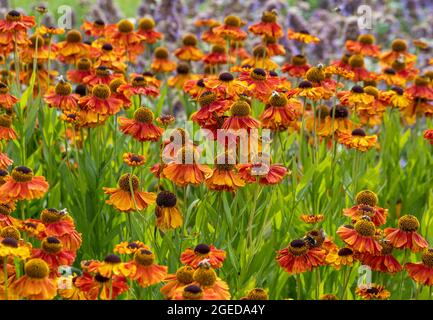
(98, 85)
(365, 243)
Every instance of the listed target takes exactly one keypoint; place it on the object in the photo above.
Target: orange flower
(260, 83)
(147, 272)
(70, 291)
(61, 97)
(129, 247)
(127, 197)
(13, 30)
(428, 135)
(213, 287)
(189, 50)
(302, 36)
(312, 218)
(5, 215)
(192, 257)
(5, 161)
(268, 26)
(297, 67)
(184, 169)
(422, 272)
(60, 225)
(398, 98)
(226, 85)
(6, 100)
(167, 214)
(224, 176)
(391, 78)
(6, 130)
(100, 75)
(16, 22)
(182, 77)
(398, 49)
(209, 35)
(266, 174)
(176, 282)
(373, 292)
(206, 286)
(376, 214)
(298, 257)
(130, 42)
(138, 86)
(35, 284)
(83, 70)
(384, 262)
(217, 56)
(106, 55)
(99, 287)
(210, 108)
(97, 28)
(32, 227)
(133, 160)
(112, 265)
(358, 140)
(340, 257)
(307, 90)
(363, 45)
(240, 117)
(421, 89)
(279, 112)
(161, 62)
(50, 30)
(360, 237)
(261, 58)
(23, 185)
(101, 101)
(273, 47)
(72, 49)
(141, 127)
(405, 236)
(53, 253)
(146, 28)
(230, 29)
(114, 85)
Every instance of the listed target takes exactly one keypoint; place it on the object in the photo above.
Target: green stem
(5, 275)
(298, 286)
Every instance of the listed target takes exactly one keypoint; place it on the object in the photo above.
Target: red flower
(298, 257)
(240, 117)
(101, 101)
(193, 257)
(422, 272)
(405, 236)
(53, 253)
(141, 127)
(138, 86)
(376, 214)
(361, 237)
(384, 262)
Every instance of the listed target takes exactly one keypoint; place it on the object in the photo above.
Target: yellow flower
(343, 257)
(11, 247)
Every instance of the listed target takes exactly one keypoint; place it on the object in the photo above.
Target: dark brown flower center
(73, 36)
(358, 132)
(202, 248)
(22, 174)
(226, 77)
(166, 199)
(112, 258)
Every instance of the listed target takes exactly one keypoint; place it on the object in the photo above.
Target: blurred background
(333, 21)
